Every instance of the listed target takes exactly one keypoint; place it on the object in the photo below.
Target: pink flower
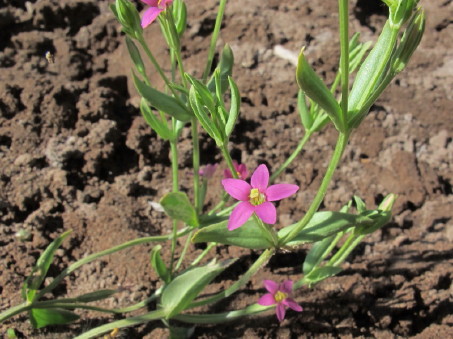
(241, 170)
(155, 7)
(279, 294)
(256, 197)
(208, 170)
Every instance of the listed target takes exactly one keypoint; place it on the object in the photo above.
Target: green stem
(184, 250)
(229, 161)
(174, 170)
(204, 253)
(268, 231)
(15, 310)
(293, 156)
(95, 256)
(222, 317)
(344, 59)
(345, 250)
(214, 37)
(128, 322)
(336, 157)
(260, 262)
(196, 165)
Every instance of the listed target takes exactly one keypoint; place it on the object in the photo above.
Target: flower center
(280, 296)
(256, 197)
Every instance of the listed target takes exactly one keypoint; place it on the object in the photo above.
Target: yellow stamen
(256, 197)
(280, 296)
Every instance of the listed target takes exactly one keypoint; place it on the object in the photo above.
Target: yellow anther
(280, 296)
(256, 197)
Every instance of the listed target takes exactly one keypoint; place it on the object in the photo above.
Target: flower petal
(266, 300)
(280, 191)
(266, 212)
(237, 188)
(240, 215)
(271, 286)
(286, 287)
(150, 15)
(292, 304)
(260, 178)
(152, 3)
(280, 310)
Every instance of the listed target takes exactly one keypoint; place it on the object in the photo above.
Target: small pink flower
(155, 7)
(208, 170)
(279, 294)
(241, 170)
(256, 197)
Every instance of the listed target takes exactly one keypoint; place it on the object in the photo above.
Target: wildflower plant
(250, 223)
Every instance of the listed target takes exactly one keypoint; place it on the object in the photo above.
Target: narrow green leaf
(315, 255)
(321, 273)
(162, 101)
(180, 16)
(234, 107)
(177, 295)
(315, 89)
(249, 235)
(41, 317)
(158, 264)
(39, 272)
(226, 70)
(156, 124)
(304, 113)
(324, 224)
(135, 55)
(95, 296)
(178, 206)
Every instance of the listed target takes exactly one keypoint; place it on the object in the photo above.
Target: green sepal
(41, 317)
(183, 289)
(324, 224)
(158, 264)
(95, 296)
(39, 272)
(248, 235)
(316, 90)
(129, 18)
(234, 107)
(162, 101)
(135, 55)
(160, 127)
(178, 206)
(321, 273)
(180, 16)
(225, 69)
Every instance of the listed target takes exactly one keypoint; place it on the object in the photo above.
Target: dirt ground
(76, 154)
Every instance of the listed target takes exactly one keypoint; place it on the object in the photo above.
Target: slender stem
(269, 232)
(15, 310)
(344, 59)
(174, 169)
(131, 321)
(196, 165)
(184, 250)
(244, 279)
(293, 155)
(204, 253)
(227, 157)
(338, 152)
(222, 317)
(345, 250)
(108, 251)
(214, 37)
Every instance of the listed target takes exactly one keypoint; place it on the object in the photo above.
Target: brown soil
(76, 154)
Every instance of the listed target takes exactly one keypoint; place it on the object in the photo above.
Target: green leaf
(226, 70)
(41, 317)
(158, 264)
(249, 235)
(321, 273)
(177, 205)
(316, 90)
(157, 125)
(304, 113)
(316, 254)
(234, 107)
(11, 334)
(39, 272)
(95, 296)
(324, 224)
(177, 295)
(162, 101)
(135, 55)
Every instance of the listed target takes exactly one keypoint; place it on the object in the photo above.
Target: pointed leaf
(248, 235)
(95, 296)
(157, 125)
(180, 16)
(316, 254)
(158, 264)
(41, 317)
(162, 101)
(135, 55)
(177, 205)
(226, 70)
(321, 273)
(177, 295)
(234, 107)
